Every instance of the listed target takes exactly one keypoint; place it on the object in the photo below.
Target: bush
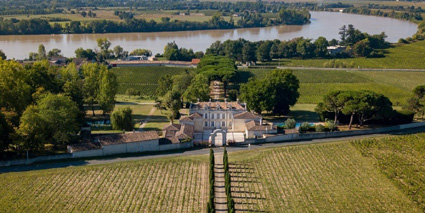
(290, 123)
(122, 119)
(331, 126)
(402, 41)
(320, 128)
(305, 126)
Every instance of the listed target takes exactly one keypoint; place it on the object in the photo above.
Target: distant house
(195, 61)
(57, 61)
(137, 58)
(80, 62)
(333, 50)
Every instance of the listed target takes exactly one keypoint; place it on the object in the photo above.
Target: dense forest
(249, 19)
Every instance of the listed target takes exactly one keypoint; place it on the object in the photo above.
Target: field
(143, 79)
(314, 84)
(165, 185)
(409, 56)
(402, 160)
(331, 177)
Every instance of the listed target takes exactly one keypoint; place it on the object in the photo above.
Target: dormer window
(206, 106)
(218, 106)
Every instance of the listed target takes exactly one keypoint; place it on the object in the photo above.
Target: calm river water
(325, 24)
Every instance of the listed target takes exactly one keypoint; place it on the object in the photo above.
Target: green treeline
(248, 19)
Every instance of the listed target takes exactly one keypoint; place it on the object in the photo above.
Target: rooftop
(84, 146)
(219, 105)
(246, 115)
(127, 138)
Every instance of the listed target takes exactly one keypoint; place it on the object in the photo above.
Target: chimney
(237, 100)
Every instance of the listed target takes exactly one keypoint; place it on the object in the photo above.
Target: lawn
(409, 56)
(332, 177)
(143, 79)
(155, 185)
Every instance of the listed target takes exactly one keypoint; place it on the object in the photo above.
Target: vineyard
(402, 160)
(314, 84)
(165, 185)
(143, 79)
(332, 177)
(409, 56)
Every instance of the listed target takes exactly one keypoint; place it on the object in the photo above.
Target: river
(325, 24)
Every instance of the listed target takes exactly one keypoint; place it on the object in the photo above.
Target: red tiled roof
(196, 61)
(195, 115)
(186, 119)
(246, 115)
(255, 126)
(186, 131)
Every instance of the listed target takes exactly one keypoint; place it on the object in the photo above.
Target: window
(206, 115)
(212, 116)
(212, 123)
(230, 124)
(223, 123)
(206, 123)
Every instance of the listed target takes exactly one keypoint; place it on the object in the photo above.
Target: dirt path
(220, 193)
(144, 122)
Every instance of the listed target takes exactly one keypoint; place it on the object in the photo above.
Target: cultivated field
(331, 177)
(166, 185)
(314, 84)
(402, 160)
(143, 79)
(409, 56)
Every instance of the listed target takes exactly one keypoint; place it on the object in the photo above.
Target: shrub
(290, 123)
(305, 126)
(320, 128)
(122, 119)
(402, 41)
(331, 126)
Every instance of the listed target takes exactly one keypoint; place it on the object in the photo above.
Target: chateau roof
(220, 105)
(255, 126)
(186, 118)
(171, 127)
(127, 138)
(246, 115)
(186, 131)
(195, 115)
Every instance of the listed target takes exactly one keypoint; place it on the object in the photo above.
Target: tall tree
(108, 87)
(42, 52)
(417, 102)
(165, 83)
(285, 85)
(91, 73)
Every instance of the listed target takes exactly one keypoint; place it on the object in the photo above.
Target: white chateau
(218, 123)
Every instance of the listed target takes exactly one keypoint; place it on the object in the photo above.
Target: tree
(285, 86)
(88, 53)
(6, 131)
(343, 33)
(417, 102)
(172, 102)
(91, 73)
(41, 52)
(119, 52)
(171, 51)
(121, 119)
(165, 83)
(333, 102)
(263, 51)
(108, 87)
(60, 114)
(52, 120)
(141, 52)
(258, 95)
(15, 93)
(199, 88)
(305, 48)
(54, 53)
(2, 55)
(248, 52)
(321, 45)
(362, 48)
(104, 46)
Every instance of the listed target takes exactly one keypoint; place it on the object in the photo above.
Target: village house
(333, 50)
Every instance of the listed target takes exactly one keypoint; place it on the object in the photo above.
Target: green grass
(155, 185)
(143, 79)
(157, 121)
(409, 56)
(402, 160)
(314, 84)
(331, 177)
